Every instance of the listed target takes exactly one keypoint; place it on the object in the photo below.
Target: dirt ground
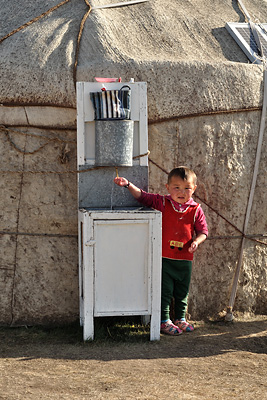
(217, 361)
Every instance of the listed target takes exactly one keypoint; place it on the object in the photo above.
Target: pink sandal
(183, 325)
(170, 329)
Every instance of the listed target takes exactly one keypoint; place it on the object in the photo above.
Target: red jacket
(177, 231)
(192, 215)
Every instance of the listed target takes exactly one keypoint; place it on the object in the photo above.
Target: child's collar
(190, 202)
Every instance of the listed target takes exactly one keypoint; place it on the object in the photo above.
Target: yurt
(206, 109)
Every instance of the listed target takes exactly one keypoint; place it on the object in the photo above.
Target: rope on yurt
(79, 40)
(90, 8)
(48, 12)
(48, 139)
(202, 114)
(8, 129)
(216, 212)
(33, 20)
(5, 129)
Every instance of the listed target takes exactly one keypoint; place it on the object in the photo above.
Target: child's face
(180, 190)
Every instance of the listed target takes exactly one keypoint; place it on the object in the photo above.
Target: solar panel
(242, 34)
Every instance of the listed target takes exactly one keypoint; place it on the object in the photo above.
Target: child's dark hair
(183, 173)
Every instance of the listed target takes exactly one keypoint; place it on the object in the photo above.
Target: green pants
(176, 276)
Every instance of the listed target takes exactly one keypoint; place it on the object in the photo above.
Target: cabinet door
(122, 267)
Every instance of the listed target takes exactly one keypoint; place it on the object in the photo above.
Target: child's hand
(120, 181)
(193, 247)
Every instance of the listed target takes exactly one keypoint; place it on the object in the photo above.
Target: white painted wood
(121, 266)
(86, 125)
(145, 319)
(89, 143)
(122, 283)
(81, 264)
(88, 281)
(245, 45)
(136, 144)
(143, 130)
(156, 256)
(80, 124)
(120, 4)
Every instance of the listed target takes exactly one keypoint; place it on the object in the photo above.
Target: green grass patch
(120, 329)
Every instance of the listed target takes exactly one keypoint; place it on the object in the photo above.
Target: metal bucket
(114, 143)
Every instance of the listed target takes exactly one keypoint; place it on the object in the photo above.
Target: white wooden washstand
(119, 249)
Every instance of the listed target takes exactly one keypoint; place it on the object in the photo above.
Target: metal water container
(114, 143)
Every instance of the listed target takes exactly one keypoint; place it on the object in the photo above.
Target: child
(181, 217)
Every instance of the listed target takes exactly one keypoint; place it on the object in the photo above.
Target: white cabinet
(120, 266)
(119, 242)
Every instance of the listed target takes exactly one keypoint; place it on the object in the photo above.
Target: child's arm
(196, 242)
(123, 182)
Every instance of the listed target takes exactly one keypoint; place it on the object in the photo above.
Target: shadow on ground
(127, 342)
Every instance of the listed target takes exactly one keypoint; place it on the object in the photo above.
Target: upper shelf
(86, 116)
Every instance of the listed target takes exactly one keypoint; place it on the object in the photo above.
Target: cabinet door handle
(90, 243)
